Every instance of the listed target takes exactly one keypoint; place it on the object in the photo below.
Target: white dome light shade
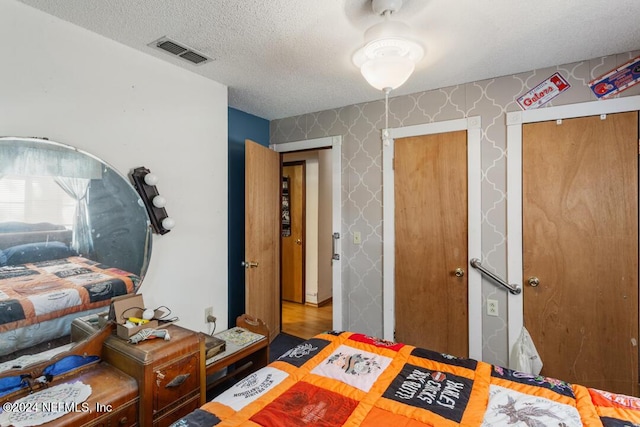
(151, 179)
(388, 59)
(168, 223)
(387, 72)
(159, 202)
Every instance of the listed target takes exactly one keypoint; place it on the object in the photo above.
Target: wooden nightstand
(170, 374)
(238, 361)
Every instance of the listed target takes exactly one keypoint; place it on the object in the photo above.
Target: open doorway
(306, 243)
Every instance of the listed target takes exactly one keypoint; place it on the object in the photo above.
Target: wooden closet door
(431, 302)
(580, 238)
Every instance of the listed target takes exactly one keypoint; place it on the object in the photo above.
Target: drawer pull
(123, 421)
(177, 381)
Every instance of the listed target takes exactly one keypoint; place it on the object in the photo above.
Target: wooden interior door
(262, 235)
(431, 302)
(292, 270)
(580, 238)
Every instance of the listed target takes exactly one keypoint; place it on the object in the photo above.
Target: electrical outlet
(492, 307)
(357, 238)
(208, 315)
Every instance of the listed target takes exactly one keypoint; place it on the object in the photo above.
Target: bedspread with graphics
(39, 291)
(348, 379)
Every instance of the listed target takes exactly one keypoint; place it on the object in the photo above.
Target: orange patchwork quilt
(349, 379)
(35, 292)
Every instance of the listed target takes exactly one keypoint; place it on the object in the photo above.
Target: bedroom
(112, 100)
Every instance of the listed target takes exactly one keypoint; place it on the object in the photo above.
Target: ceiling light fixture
(388, 56)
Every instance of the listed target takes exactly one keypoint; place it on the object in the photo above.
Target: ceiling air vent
(180, 50)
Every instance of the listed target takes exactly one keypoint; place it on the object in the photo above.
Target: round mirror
(73, 234)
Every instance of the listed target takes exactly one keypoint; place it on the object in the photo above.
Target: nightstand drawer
(175, 380)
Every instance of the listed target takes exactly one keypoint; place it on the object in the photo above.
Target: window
(34, 199)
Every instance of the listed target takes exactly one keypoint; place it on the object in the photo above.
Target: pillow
(36, 252)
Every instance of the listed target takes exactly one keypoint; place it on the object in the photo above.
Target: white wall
(311, 232)
(325, 226)
(62, 82)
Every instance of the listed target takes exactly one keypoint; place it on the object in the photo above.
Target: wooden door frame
(335, 143)
(473, 126)
(515, 120)
(303, 214)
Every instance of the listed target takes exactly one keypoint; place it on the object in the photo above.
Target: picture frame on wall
(286, 213)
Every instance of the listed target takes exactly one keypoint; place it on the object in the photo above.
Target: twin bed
(349, 379)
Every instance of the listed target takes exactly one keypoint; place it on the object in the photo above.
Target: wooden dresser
(113, 400)
(170, 374)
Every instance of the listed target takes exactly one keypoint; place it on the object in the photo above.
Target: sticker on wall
(615, 81)
(544, 92)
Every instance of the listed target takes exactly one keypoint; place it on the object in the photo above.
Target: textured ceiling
(282, 58)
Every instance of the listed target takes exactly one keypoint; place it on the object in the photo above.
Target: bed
(349, 379)
(44, 285)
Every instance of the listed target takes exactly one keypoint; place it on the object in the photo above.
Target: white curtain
(81, 241)
(43, 158)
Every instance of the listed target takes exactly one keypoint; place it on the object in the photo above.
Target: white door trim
(335, 143)
(515, 121)
(474, 217)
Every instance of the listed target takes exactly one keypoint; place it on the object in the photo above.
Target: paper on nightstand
(239, 336)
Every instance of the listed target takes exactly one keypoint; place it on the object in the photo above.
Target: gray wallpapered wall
(360, 127)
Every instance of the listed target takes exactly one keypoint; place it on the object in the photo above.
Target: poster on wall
(544, 92)
(617, 80)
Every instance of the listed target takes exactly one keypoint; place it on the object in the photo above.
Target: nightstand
(239, 360)
(170, 374)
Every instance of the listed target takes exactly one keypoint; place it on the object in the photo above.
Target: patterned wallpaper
(360, 127)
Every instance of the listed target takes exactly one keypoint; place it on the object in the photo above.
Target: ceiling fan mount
(381, 7)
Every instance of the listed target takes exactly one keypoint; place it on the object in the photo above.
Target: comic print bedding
(349, 379)
(35, 292)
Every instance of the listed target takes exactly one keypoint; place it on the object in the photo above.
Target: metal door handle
(334, 240)
(298, 242)
(249, 264)
(533, 281)
(513, 289)
(459, 272)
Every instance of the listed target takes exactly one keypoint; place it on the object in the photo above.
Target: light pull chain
(385, 133)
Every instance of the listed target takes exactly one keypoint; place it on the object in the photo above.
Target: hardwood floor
(305, 321)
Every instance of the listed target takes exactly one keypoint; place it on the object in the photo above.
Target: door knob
(249, 264)
(459, 272)
(298, 242)
(533, 281)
